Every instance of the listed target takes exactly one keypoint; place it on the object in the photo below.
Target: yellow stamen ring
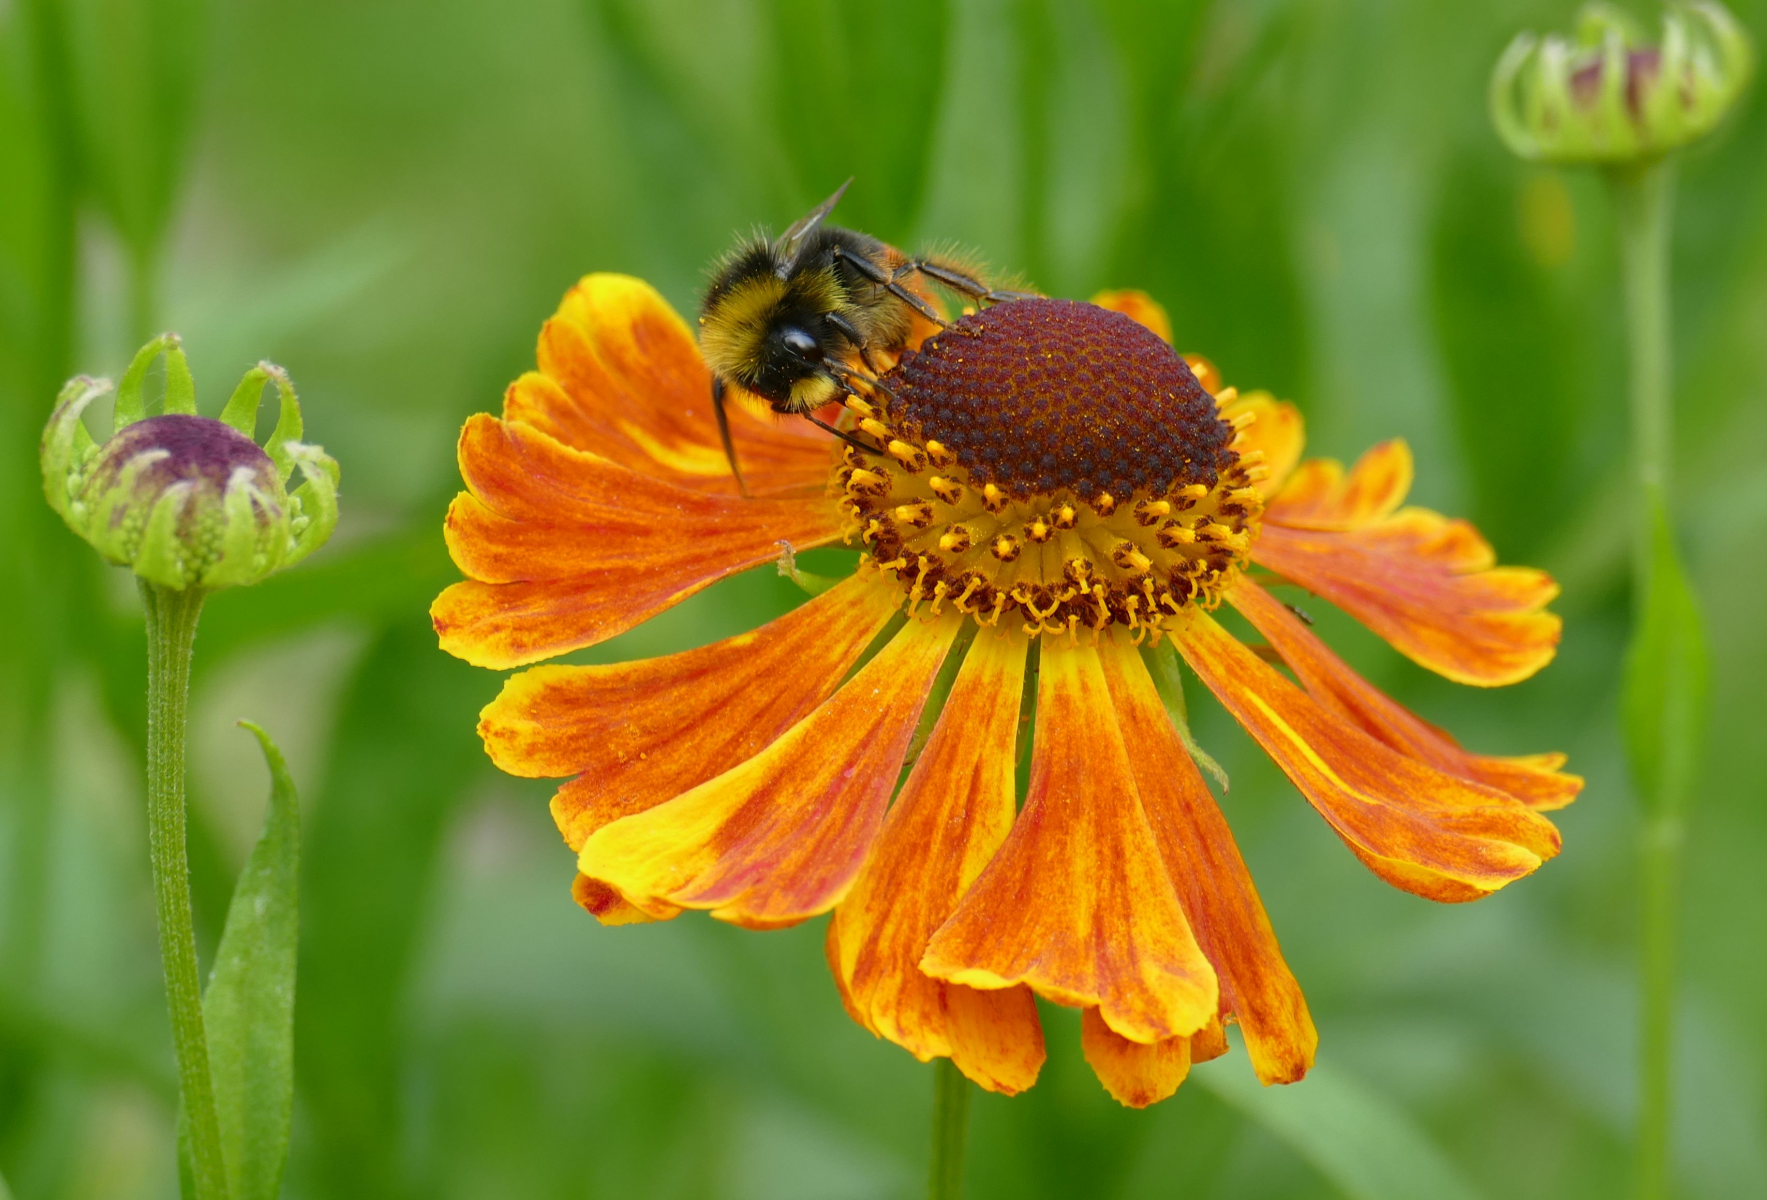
(1057, 561)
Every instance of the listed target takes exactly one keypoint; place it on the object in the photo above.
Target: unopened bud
(185, 500)
(1610, 96)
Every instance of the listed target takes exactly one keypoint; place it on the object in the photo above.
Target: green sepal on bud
(1610, 96)
(185, 500)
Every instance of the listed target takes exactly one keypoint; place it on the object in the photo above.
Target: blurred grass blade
(1668, 674)
(5, 1192)
(1497, 295)
(135, 75)
(249, 1006)
(399, 769)
(1366, 1148)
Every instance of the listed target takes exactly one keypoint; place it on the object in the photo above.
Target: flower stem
(1643, 201)
(171, 629)
(950, 1130)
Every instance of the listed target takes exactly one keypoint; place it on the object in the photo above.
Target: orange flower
(1055, 501)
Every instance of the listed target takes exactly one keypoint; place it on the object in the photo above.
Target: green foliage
(1503, 318)
(1168, 680)
(135, 72)
(1364, 1145)
(396, 777)
(249, 1004)
(1668, 677)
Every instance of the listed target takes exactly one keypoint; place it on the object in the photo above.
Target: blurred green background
(388, 196)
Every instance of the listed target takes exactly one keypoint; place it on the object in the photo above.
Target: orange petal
(565, 549)
(1077, 902)
(609, 907)
(1426, 584)
(621, 377)
(1211, 877)
(1422, 831)
(643, 732)
(1320, 496)
(952, 815)
(1277, 431)
(1133, 302)
(1134, 1073)
(1208, 1043)
(780, 838)
(1533, 779)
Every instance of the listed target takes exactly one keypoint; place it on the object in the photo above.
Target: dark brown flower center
(1053, 463)
(1044, 394)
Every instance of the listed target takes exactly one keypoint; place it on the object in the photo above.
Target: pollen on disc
(1036, 395)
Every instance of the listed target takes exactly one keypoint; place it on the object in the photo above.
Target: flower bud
(1610, 96)
(185, 500)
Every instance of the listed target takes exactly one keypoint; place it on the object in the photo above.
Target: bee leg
(724, 434)
(845, 328)
(958, 281)
(885, 280)
(844, 436)
(845, 375)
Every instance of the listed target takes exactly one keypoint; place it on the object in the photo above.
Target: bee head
(771, 335)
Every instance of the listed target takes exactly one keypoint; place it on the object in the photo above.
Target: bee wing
(791, 243)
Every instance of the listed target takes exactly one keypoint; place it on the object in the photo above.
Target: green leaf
(1168, 681)
(249, 1006)
(1668, 676)
(1365, 1147)
(5, 1192)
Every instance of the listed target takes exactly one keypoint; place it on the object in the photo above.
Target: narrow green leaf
(249, 1006)
(1668, 674)
(1168, 681)
(1365, 1147)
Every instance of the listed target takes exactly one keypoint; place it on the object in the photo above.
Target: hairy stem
(1643, 202)
(171, 629)
(950, 1130)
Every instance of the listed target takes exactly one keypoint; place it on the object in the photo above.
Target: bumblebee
(793, 320)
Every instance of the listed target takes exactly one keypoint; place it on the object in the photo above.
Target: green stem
(951, 1093)
(1659, 894)
(1643, 203)
(1644, 198)
(171, 629)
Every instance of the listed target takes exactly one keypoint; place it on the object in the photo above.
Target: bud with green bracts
(1610, 95)
(185, 500)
